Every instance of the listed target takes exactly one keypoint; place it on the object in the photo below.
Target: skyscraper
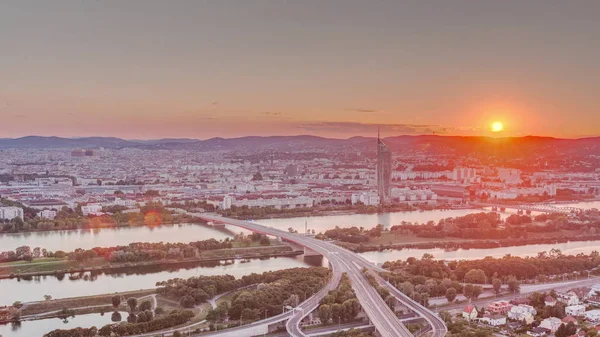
(384, 172)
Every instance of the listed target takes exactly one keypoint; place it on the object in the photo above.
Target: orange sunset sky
(200, 69)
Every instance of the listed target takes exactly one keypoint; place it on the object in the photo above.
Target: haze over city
(279, 168)
(153, 69)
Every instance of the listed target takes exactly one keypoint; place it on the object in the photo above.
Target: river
(40, 327)
(569, 248)
(34, 288)
(69, 240)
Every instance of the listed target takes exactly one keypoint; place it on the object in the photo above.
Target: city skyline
(200, 70)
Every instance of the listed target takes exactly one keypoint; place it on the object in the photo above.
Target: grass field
(388, 238)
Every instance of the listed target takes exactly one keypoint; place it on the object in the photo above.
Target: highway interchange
(343, 261)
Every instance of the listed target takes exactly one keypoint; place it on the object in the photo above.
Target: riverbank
(365, 210)
(62, 266)
(34, 310)
(391, 241)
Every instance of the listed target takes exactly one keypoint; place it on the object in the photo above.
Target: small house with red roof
(470, 312)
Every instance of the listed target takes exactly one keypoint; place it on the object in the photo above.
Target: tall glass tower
(384, 172)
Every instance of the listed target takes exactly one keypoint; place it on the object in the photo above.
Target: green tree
(146, 305)
(141, 317)
(513, 284)
(468, 290)
(116, 301)
(451, 295)
(475, 276)
(132, 318)
(116, 316)
(132, 303)
(477, 290)
(497, 284)
(325, 313)
(336, 312)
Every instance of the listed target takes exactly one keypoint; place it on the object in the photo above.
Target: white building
(593, 315)
(369, 199)
(568, 298)
(575, 310)
(9, 213)
(91, 209)
(494, 320)
(594, 291)
(47, 214)
(522, 312)
(464, 174)
(227, 201)
(551, 323)
(509, 175)
(469, 312)
(125, 203)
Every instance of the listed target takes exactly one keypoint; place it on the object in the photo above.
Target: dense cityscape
(334, 193)
(339, 168)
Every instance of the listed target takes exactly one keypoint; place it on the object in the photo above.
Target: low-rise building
(568, 298)
(550, 301)
(91, 209)
(9, 213)
(523, 313)
(469, 312)
(368, 199)
(569, 319)
(494, 320)
(47, 214)
(593, 315)
(551, 323)
(575, 310)
(538, 332)
(500, 307)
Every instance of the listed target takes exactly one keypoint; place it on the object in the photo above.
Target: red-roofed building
(550, 301)
(500, 307)
(469, 312)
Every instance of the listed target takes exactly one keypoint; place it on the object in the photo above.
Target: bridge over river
(342, 261)
(542, 208)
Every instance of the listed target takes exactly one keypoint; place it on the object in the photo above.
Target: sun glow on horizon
(497, 126)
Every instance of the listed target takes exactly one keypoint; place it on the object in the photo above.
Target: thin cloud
(354, 128)
(269, 113)
(362, 110)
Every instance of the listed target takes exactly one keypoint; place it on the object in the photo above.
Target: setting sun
(497, 127)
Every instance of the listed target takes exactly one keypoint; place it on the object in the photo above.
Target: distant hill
(513, 146)
(58, 142)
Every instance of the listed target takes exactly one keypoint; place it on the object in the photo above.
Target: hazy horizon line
(301, 135)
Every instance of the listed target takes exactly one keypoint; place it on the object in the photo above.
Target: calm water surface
(323, 223)
(569, 248)
(70, 240)
(146, 277)
(40, 327)
(34, 289)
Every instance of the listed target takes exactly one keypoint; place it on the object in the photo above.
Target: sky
(143, 69)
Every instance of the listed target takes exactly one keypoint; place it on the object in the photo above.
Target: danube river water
(569, 248)
(34, 288)
(40, 327)
(70, 240)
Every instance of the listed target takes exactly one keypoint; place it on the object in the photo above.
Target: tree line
(339, 304)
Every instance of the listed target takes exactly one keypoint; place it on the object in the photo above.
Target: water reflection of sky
(107, 237)
(34, 289)
(570, 248)
(40, 327)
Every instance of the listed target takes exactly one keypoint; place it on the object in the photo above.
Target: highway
(341, 260)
